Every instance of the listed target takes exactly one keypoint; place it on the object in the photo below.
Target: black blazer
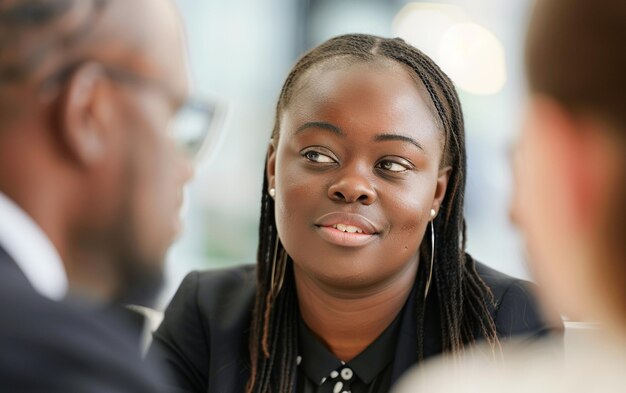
(48, 346)
(203, 339)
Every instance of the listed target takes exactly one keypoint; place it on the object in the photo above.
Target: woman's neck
(348, 320)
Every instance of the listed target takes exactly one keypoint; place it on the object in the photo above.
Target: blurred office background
(241, 50)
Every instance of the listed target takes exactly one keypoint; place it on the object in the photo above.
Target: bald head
(576, 54)
(39, 37)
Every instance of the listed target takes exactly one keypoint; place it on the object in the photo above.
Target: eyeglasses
(197, 125)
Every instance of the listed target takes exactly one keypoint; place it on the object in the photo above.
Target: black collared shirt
(319, 371)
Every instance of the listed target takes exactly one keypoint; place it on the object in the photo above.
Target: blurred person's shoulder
(522, 367)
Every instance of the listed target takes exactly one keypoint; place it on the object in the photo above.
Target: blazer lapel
(8, 265)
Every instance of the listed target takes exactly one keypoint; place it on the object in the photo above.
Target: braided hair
(464, 298)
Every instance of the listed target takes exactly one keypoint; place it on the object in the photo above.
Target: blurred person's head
(369, 133)
(571, 164)
(87, 88)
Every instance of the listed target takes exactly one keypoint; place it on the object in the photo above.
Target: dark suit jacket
(48, 346)
(203, 339)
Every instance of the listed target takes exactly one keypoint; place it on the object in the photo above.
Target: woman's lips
(346, 229)
(346, 239)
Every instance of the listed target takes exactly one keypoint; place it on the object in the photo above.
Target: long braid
(265, 346)
(464, 299)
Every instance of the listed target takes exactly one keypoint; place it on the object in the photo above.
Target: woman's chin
(346, 278)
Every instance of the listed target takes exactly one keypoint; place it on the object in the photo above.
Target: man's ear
(271, 164)
(82, 130)
(442, 186)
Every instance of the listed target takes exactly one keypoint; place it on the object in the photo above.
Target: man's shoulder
(25, 302)
(65, 346)
(29, 311)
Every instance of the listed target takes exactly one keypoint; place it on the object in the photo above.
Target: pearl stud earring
(272, 192)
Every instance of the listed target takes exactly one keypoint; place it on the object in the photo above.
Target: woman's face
(356, 170)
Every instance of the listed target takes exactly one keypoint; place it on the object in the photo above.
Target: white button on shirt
(32, 250)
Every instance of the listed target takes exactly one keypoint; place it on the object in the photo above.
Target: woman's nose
(352, 186)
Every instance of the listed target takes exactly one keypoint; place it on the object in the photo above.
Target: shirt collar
(31, 250)
(318, 362)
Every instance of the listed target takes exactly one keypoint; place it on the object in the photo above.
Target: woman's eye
(316, 156)
(392, 166)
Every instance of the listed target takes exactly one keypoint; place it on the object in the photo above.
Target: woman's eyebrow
(322, 125)
(398, 137)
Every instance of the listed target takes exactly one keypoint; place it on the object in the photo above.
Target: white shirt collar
(32, 250)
